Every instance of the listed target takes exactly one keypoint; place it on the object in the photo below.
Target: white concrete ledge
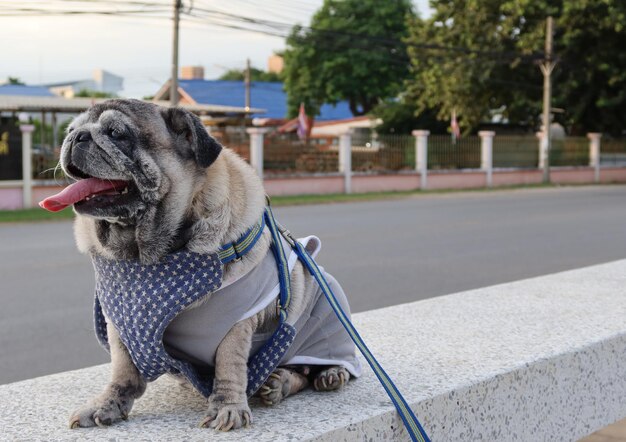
(539, 359)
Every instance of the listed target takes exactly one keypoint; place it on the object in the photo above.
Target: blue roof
(20, 89)
(263, 94)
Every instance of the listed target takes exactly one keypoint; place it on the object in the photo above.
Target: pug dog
(150, 181)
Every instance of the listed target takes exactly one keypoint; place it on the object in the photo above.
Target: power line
(202, 20)
(279, 14)
(29, 12)
(386, 46)
(267, 27)
(281, 29)
(361, 43)
(383, 41)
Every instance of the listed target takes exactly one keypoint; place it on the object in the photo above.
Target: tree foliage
(15, 81)
(591, 81)
(255, 75)
(48, 132)
(399, 117)
(88, 93)
(487, 54)
(352, 51)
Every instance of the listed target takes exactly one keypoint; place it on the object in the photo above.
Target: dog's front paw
(101, 413)
(226, 417)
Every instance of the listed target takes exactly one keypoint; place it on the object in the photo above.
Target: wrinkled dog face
(136, 152)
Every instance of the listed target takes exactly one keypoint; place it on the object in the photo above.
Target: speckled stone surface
(539, 359)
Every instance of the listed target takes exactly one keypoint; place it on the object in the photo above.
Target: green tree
(87, 93)
(49, 132)
(255, 75)
(590, 84)
(465, 58)
(398, 117)
(480, 57)
(15, 80)
(352, 51)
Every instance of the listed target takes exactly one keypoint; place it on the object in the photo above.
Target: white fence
(388, 163)
(421, 155)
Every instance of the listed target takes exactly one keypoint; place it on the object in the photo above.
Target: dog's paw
(226, 417)
(330, 379)
(282, 382)
(101, 413)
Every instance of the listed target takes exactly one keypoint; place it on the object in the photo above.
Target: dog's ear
(203, 146)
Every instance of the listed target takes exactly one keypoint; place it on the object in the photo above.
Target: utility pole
(546, 68)
(247, 83)
(174, 77)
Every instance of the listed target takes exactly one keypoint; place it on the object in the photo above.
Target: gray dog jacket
(149, 305)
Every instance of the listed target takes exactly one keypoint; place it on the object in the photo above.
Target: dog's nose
(83, 136)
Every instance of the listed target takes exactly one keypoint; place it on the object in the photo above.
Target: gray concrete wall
(538, 359)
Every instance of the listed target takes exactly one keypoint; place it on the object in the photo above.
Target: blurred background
(339, 97)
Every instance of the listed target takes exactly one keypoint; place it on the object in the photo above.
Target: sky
(41, 49)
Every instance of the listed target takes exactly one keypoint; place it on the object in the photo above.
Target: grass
(37, 214)
(376, 196)
(297, 200)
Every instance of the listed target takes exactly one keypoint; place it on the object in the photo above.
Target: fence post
(27, 165)
(345, 160)
(542, 156)
(421, 156)
(594, 154)
(486, 154)
(256, 148)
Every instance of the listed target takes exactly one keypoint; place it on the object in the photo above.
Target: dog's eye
(116, 133)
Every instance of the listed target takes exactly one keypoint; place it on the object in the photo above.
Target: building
(192, 73)
(275, 64)
(24, 91)
(263, 94)
(338, 127)
(101, 81)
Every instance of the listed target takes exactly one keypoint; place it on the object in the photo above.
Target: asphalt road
(383, 253)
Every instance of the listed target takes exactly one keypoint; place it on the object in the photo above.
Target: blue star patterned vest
(142, 300)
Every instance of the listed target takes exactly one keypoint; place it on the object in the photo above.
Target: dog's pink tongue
(78, 191)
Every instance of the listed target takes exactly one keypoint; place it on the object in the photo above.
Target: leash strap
(281, 261)
(413, 427)
(265, 361)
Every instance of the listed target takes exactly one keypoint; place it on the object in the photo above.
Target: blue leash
(413, 427)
